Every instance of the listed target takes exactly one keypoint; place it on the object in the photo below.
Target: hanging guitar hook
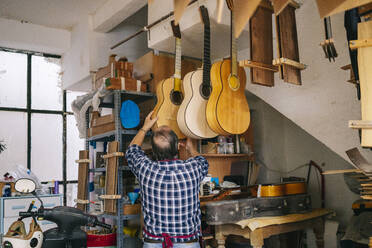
(328, 45)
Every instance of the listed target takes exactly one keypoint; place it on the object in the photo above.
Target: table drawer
(13, 206)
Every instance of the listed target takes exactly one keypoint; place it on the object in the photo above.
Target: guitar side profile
(191, 116)
(227, 108)
(169, 93)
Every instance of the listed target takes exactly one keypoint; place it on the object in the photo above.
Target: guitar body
(165, 109)
(227, 109)
(191, 116)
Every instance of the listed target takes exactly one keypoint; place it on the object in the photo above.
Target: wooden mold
(287, 45)
(82, 194)
(111, 177)
(261, 47)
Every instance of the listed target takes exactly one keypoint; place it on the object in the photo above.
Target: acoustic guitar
(191, 116)
(281, 189)
(169, 92)
(227, 108)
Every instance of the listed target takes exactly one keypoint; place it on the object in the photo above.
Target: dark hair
(170, 151)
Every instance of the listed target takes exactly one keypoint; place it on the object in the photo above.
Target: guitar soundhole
(176, 97)
(205, 91)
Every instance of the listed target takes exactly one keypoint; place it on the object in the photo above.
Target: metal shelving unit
(120, 135)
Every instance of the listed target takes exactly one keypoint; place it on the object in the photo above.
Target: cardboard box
(160, 67)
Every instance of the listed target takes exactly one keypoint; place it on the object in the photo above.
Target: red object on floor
(101, 240)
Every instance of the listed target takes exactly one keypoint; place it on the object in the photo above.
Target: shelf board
(123, 217)
(104, 169)
(239, 155)
(110, 136)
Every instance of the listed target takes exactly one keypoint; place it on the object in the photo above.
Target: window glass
(46, 146)
(70, 97)
(13, 132)
(13, 80)
(74, 145)
(46, 89)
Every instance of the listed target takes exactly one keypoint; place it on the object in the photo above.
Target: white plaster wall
(17, 35)
(90, 50)
(325, 102)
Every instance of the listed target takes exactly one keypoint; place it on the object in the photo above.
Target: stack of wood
(118, 75)
(100, 124)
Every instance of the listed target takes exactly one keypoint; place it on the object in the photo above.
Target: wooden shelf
(235, 155)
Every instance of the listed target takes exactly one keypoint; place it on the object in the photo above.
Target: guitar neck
(177, 66)
(207, 56)
(234, 52)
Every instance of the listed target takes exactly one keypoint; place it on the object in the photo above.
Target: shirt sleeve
(136, 158)
(203, 163)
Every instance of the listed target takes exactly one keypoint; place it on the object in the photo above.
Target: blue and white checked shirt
(170, 193)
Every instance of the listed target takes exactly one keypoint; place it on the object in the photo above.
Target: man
(169, 188)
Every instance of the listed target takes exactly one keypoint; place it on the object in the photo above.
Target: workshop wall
(282, 145)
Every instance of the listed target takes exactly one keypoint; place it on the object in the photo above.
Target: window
(37, 125)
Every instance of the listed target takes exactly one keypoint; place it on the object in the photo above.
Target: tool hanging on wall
(288, 60)
(328, 45)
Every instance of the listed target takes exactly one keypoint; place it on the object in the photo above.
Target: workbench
(258, 229)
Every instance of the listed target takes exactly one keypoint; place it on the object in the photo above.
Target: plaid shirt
(170, 193)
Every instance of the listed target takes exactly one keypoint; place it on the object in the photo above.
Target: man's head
(164, 143)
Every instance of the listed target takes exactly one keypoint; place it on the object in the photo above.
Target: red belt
(167, 239)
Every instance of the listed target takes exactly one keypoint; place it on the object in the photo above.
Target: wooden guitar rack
(360, 124)
(355, 44)
(80, 201)
(114, 154)
(285, 61)
(110, 197)
(258, 65)
(82, 195)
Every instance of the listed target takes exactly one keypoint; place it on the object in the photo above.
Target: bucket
(102, 240)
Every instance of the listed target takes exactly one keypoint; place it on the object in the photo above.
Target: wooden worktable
(258, 229)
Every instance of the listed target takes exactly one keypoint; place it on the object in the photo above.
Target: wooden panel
(161, 67)
(101, 129)
(82, 193)
(289, 44)
(262, 46)
(330, 7)
(111, 177)
(365, 78)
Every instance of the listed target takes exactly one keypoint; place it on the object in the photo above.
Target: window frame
(29, 110)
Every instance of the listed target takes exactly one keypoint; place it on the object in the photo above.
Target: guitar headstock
(176, 30)
(204, 15)
(230, 4)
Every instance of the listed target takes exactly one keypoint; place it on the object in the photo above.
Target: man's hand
(191, 147)
(149, 122)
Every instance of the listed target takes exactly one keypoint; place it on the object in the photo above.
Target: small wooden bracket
(254, 64)
(360, 124)
(352, 76)
(327, 42)
(79, 201)
(81, 161)
(355, 44)
(114, 154)
(290, 62)
(110, 197)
